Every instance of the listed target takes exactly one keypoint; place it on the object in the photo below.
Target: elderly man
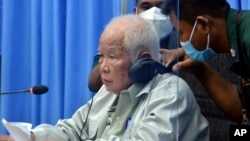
(149, 10)
(160, 109)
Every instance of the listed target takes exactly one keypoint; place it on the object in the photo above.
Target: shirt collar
(137, 90)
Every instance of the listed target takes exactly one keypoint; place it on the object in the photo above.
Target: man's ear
(144, 54)
(201, 20)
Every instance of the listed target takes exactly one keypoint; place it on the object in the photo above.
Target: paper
(19, 131)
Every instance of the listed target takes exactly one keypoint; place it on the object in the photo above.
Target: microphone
(37, 90)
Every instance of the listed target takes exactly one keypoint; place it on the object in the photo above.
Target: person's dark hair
(190, 9)
(169, 5)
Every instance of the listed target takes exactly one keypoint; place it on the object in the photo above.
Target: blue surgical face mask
(195, 54)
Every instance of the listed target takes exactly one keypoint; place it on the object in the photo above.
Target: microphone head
(39, 89)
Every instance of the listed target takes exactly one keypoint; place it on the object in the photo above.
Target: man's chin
(109, 88)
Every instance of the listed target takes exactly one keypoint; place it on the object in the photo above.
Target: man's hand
(32, 137)
(184, 63)
(6, 138)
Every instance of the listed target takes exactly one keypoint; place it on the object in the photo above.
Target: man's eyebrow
(145, 3)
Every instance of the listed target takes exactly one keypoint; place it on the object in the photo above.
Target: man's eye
(100, 55)
(112, 57)
(146, 7)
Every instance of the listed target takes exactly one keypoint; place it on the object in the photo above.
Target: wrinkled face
(144, 5)
(114, 62)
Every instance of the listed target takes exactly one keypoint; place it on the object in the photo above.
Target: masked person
(162, 108)
(208, 27)
(149, 10)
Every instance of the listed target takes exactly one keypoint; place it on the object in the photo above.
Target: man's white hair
(139, 36)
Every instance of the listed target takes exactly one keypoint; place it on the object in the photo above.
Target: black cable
(92, 99)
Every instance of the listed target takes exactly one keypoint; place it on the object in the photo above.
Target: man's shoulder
(171, 81)
(170, 77)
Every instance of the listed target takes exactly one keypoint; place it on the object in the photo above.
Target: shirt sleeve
(67, 129)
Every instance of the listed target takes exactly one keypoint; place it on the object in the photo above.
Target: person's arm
(223, 92)
(95, 81)
(67, 129)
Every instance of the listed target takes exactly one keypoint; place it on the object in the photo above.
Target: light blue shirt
(164, 109)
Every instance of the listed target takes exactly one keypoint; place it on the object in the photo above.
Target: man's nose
(104, 66)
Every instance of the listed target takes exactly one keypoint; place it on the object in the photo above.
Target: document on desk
(19, 131)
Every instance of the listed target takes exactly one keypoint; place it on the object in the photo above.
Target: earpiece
(143, 70)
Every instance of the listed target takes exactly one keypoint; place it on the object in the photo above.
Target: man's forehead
(112, 37)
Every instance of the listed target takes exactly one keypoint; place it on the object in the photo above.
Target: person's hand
(9, 138)
(6, 138)
(169, 56)
(184, 63)
(32, 136)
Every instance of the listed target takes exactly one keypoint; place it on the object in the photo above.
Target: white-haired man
(161, 109)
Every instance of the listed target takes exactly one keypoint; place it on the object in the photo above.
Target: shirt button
(232, 52)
